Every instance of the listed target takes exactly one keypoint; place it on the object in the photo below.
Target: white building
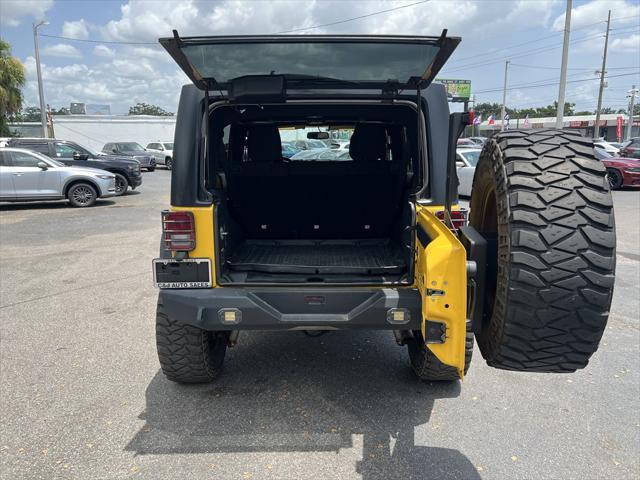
(95, 130)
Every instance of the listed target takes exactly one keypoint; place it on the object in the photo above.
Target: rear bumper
(302, 308)
(135, 181)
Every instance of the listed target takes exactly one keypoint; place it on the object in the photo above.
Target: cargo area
(328, 216)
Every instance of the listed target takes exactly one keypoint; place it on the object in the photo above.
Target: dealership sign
(457, 90)
(619, 128)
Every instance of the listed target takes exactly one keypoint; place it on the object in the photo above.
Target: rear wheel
(615, 178)
(188, 354)
(82, 195)
(542, 201)
(168, 163)
(427, 366)
(121, 184)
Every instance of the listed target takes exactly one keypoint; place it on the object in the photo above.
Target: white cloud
(628, 44)
(61, 50)
(76, 29)
(13, 11)
(622, 12)
(104, 51)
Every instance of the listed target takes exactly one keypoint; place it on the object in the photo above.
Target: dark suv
(132, 150)
(126, 170)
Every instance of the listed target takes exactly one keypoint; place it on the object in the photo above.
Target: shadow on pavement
(286, 392)
(50, 205)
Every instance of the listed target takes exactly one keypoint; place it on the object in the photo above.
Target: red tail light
(458, 218)
(178, 231)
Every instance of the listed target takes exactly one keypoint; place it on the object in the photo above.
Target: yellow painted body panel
(205, 242)
(442, 265)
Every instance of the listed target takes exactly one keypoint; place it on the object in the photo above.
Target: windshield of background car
(130, 147)
(168, 146)
(471, 157)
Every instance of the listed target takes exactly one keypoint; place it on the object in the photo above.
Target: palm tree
(12, 77)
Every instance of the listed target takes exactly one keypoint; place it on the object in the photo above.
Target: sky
(110, 52)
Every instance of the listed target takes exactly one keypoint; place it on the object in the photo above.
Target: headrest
(368, 143)
(263, 143)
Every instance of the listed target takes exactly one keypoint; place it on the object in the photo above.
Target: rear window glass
(346, 61)
(297, 147)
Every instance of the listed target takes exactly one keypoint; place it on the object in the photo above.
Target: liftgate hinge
(432, 292)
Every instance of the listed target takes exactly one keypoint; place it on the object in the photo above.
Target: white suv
(31, 176)
(163, 152)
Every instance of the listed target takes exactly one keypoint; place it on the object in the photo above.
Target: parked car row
(621, 171)
(51, 169)
(26, 175)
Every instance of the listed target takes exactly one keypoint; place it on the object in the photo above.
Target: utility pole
(504, 94)
(563, 67)
(596, 131)
(632, 93)
(43, 113)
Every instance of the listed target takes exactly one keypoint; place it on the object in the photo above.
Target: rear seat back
(274, 199)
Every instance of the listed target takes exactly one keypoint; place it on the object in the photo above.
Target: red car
(622, 172)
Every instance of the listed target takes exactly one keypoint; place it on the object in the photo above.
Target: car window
(129, 147)
(471, 157)
(5, 160)
(22, 159)
(38, 147)
(108, 147)
(154, 146)
(168, 146)
(65, 151)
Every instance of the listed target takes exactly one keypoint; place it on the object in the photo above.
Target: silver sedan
(31, 176)
(466, 160)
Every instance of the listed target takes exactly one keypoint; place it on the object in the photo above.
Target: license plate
(187, 273)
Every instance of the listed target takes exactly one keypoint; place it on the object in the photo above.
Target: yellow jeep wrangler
(370, 236)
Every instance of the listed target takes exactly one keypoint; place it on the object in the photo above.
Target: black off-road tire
(168, 163)
(188, 354)
(615, 178)
(122, 184)
(427, 366)
(543, 202)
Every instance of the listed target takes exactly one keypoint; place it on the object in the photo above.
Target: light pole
(43, 114)
(504, 93)
(563, 66)
(632, 95)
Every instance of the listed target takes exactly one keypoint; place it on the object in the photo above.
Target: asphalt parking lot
(82, 395)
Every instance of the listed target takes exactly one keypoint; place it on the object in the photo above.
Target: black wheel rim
(614, 178)
(121, 185)
(82, 195)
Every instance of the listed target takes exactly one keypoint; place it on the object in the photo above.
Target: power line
(351, 19)
(553, 35)
(99, 41)
(525, 53)
(542, 67)
(525, 86)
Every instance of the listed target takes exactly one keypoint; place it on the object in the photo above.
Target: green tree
(12, 78)
(29, 114)
(146, 109)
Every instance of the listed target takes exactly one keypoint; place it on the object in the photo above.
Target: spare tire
(542, 200)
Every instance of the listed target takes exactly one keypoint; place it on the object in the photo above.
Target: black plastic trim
(293, 308)
(476, 247)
